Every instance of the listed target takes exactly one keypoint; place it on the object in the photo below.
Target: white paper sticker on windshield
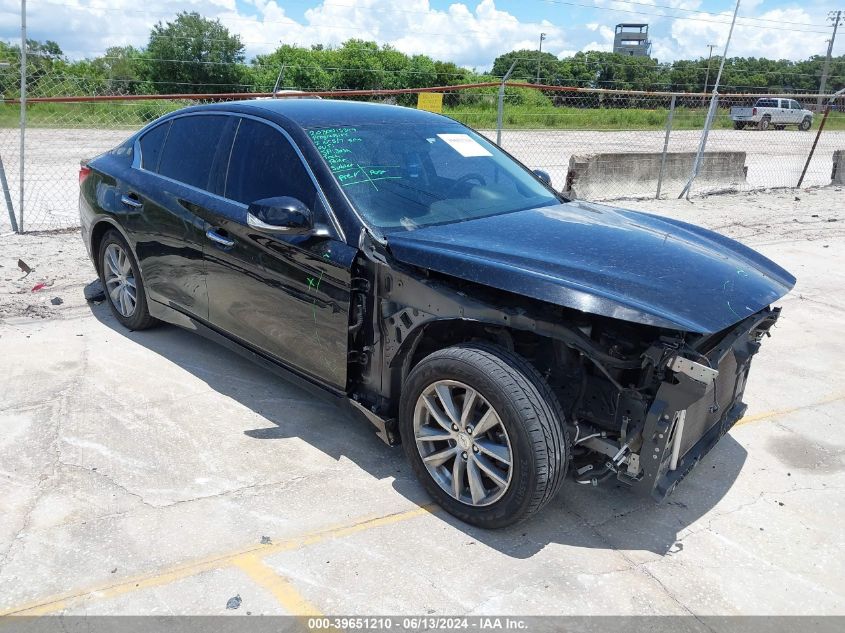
(465, 145)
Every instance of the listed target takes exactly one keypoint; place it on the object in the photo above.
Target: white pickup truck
(771, 111)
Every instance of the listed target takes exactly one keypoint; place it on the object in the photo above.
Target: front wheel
(484, 434)
(805, 124)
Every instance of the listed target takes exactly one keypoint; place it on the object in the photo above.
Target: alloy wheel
(120, 280)
(463, 443)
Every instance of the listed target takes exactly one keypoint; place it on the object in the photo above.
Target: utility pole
(834, 17)
(707, 76)
(539, 55)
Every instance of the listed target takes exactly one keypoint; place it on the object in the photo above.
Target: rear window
(190, 147)
(767, 103)
(151, 144)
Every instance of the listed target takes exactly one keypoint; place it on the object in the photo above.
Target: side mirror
(280, 215)
(544, 176)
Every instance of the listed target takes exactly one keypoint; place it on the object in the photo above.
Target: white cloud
(689, 39)
(471, 34)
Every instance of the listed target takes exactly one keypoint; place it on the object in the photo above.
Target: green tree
(450, 74)
(358, 65)
(294, 68)
(526, 67)
(193, 54)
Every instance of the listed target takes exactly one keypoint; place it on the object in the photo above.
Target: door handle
(131, 200)
(214, 236)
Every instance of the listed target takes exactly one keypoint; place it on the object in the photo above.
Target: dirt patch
(60, 269)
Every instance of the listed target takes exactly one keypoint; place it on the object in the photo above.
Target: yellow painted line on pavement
(777, 413)
(238, 558)
(282, 589)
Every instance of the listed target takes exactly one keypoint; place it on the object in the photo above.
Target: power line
(685, 10)
(656, 67)
(679, 17)
(229, 18)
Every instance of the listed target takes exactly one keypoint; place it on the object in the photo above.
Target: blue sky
(471, 33)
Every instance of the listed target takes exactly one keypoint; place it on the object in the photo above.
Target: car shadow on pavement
(604, 517)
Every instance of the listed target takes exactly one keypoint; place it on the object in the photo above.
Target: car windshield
(408, 177)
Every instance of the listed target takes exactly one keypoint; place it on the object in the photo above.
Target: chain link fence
(601, 145)
(612, 145)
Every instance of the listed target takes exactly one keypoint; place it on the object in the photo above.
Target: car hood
(603, 260)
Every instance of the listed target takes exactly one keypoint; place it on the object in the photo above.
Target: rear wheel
(122, 284)
(765, 122)
(739, 125)
(780, 127)
(484, 434)
(805, 124)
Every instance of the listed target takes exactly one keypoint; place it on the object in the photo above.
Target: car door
(176, 164)
(795, 111)
(284, 296)
(784, 114)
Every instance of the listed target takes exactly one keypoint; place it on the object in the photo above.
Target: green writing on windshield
(341, 148)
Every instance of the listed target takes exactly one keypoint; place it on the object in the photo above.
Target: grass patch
(481, 115)
(105, 114)
(567, 118)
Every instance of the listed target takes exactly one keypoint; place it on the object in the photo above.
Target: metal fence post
(665, 146)
(8, 197)
(501, 107)
(714, 104)
(23, 111)
(818, 134)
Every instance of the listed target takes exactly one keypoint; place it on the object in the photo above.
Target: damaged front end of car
(649, 427)
(644, 328)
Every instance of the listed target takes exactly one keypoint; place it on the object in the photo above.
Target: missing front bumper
(691, 413)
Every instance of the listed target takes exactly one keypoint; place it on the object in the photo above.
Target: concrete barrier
(634, 174)
(837, 176)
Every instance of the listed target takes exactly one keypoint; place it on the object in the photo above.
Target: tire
(118, 272)
(739, 125)
(780, 127)
(530, 427)
(764, 123)
(805, 124)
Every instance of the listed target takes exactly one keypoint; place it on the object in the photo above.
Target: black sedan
(398, 261)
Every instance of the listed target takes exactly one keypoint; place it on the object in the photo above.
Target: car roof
(318, 113)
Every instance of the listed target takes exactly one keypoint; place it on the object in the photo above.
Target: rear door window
(190, 147)
(151, 145)
(264, 164)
